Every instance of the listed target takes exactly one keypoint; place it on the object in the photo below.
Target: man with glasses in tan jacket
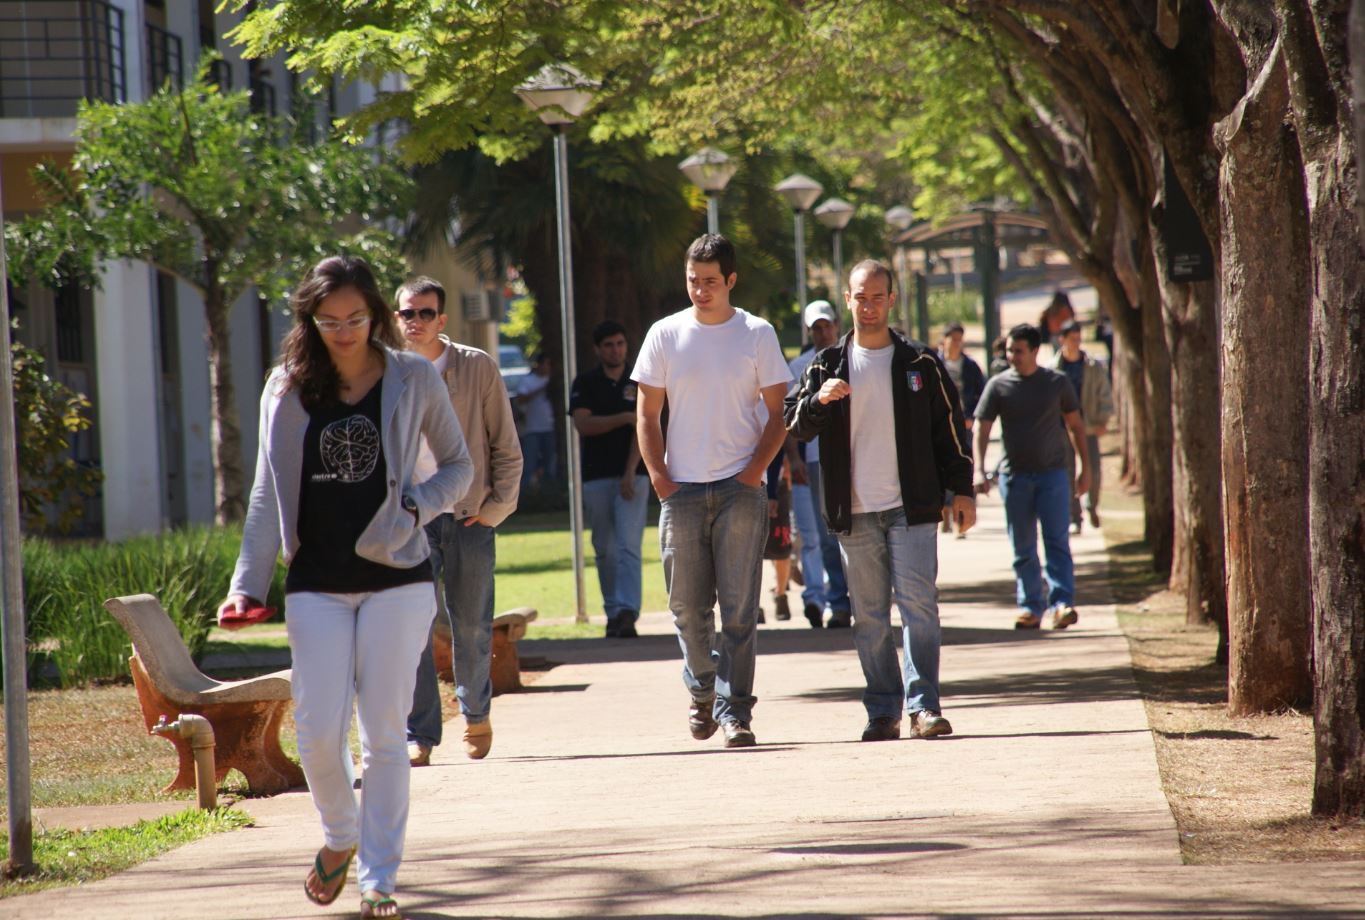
(462, 544)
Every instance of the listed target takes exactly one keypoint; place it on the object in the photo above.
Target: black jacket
(932, 451)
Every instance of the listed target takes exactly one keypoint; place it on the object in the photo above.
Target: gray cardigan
(414, 402)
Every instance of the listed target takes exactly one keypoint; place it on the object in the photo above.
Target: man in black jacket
(883, 490)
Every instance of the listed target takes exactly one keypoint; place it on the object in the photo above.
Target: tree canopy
(197, 184)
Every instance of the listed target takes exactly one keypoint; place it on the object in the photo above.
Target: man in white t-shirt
(892, 441)
(723, 375)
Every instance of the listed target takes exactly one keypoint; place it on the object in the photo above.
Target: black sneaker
(815, 616)
(626, 629)
(927, 724)
(780, 609)
(613, 629)
(882, 728)
(759, 617)
(738, 734)
(839, 619)
(699, 719)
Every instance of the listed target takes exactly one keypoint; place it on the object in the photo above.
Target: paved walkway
(596, 803)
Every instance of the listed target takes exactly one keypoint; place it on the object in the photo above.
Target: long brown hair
(307, 366)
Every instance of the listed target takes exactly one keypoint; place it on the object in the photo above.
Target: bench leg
(506, 667)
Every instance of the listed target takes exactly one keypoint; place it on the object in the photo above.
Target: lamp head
(558, 94)
(800, 191)
(834, 213)
(900, 217)
(709, 170)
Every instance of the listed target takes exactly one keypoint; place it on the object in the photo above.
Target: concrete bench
(505, 671)
(246, 714)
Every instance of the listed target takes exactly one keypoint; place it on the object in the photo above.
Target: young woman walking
(342, 419)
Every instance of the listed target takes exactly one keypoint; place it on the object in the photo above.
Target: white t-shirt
(810, 451)
(954, 369)
(712, 376)
(425, 466)
(876, 478)
(539, 414)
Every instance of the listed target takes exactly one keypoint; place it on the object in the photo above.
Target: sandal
(322, 900)
(382, 907)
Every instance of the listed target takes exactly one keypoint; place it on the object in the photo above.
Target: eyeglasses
(330, 326)
(426, 314)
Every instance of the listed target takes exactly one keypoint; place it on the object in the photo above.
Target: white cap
(817, 310)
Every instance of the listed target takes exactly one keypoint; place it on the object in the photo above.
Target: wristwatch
(410, 504)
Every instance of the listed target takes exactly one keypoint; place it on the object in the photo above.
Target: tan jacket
(1096, 395)
(485, 413)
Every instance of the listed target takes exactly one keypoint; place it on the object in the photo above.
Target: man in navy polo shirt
(615, 482)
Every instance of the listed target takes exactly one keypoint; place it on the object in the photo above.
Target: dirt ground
(1240, 788)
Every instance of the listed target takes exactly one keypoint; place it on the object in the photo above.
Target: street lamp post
(800, 192)
(18, 785)
(558, 95)
(710, 170)
(835, 213)
(901, 218)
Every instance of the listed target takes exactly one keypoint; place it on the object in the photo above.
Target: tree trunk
(1337, 484)
(1264, 394)
(225, 430)
(1190, 314)
(1158, 443)
(1320, 93)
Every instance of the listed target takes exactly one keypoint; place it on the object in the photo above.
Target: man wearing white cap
(820, 565)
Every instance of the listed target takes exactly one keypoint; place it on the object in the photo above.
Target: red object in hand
(248, 616)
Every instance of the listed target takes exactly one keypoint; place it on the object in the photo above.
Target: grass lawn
(88, 745)
(63, 857)
(535, 569)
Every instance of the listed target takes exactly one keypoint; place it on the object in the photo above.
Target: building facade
(136, 344)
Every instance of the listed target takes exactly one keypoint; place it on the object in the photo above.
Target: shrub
(47, 414)
(951, 306)
(66, 584)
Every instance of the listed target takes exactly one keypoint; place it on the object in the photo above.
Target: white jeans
(361, 648)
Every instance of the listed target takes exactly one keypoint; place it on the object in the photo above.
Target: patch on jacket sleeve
(914, 380)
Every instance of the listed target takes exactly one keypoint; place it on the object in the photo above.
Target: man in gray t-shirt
(1038, 409)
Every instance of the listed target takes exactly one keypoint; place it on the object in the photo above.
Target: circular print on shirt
(350, 448)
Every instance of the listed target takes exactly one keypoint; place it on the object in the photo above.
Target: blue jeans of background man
(618, 526)
(1033, 500)
(887, 560)
(711, 537)
(538, 453)
(836, 586)
(812, 565)
(462, 559)
(1092, 497)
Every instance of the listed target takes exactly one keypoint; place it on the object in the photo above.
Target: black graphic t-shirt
(343, 484)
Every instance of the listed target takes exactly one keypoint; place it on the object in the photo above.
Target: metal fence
(48, 63)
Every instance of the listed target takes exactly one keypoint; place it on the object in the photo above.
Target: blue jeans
(538, 453)
(886, 559)
(1033, 499)
(812, 565)
(1092, 498)
(836, 586)
(617, 527)
(462, 559)
(711, 537)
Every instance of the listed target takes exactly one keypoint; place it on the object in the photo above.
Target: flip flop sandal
(369, 908)
(327, 878)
